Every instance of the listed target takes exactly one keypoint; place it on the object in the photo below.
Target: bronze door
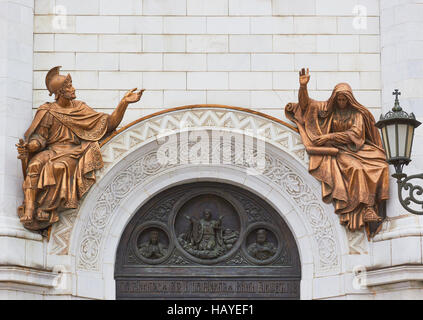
(207, 240)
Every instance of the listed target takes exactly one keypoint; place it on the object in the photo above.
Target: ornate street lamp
(397, 128)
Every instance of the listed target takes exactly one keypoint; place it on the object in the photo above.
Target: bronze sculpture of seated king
(61, 152)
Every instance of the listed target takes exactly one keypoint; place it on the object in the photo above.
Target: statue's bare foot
(371, 216)
(43, 216)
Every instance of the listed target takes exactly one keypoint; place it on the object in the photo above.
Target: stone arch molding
(132, 175)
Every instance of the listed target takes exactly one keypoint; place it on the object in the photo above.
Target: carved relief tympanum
(206, 242)
(206, 238)
(207, 226)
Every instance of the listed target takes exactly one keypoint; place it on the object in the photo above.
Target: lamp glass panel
(409, 140)
(386, 143)
(402, 139)
(392, 139)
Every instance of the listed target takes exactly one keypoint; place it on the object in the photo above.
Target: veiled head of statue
(60, 85)
(341, 101)
(342, 97)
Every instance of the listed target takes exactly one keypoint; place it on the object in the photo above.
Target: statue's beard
(69, 96)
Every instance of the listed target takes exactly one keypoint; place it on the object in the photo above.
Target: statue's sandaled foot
(26, 219)
(27, 216)
(371, 216)
(43, 216)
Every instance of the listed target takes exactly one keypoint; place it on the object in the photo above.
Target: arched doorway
(86, 241)
(207, 240)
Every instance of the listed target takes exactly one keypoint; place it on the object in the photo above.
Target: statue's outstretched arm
(116, 117)
(303, 97)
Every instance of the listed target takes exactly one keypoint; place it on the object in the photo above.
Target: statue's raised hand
(131, 96)
(304, 77)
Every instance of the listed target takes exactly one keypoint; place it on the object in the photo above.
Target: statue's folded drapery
(65, 169)
(352, 168)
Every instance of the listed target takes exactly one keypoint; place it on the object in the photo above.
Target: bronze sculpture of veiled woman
(346, 153)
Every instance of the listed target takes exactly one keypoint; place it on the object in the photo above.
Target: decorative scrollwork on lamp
(413, 191)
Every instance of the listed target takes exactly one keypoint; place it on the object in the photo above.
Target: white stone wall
(397, 250)
(243, 53)
(15, 101)
(402, 63)
(18, 246)
(16, 56)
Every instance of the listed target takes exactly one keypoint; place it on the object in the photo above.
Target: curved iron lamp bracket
(414, 193)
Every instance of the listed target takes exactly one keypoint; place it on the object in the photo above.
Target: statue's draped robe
(262, 251)
(65, 168)
(152, 251)
(353, 170)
